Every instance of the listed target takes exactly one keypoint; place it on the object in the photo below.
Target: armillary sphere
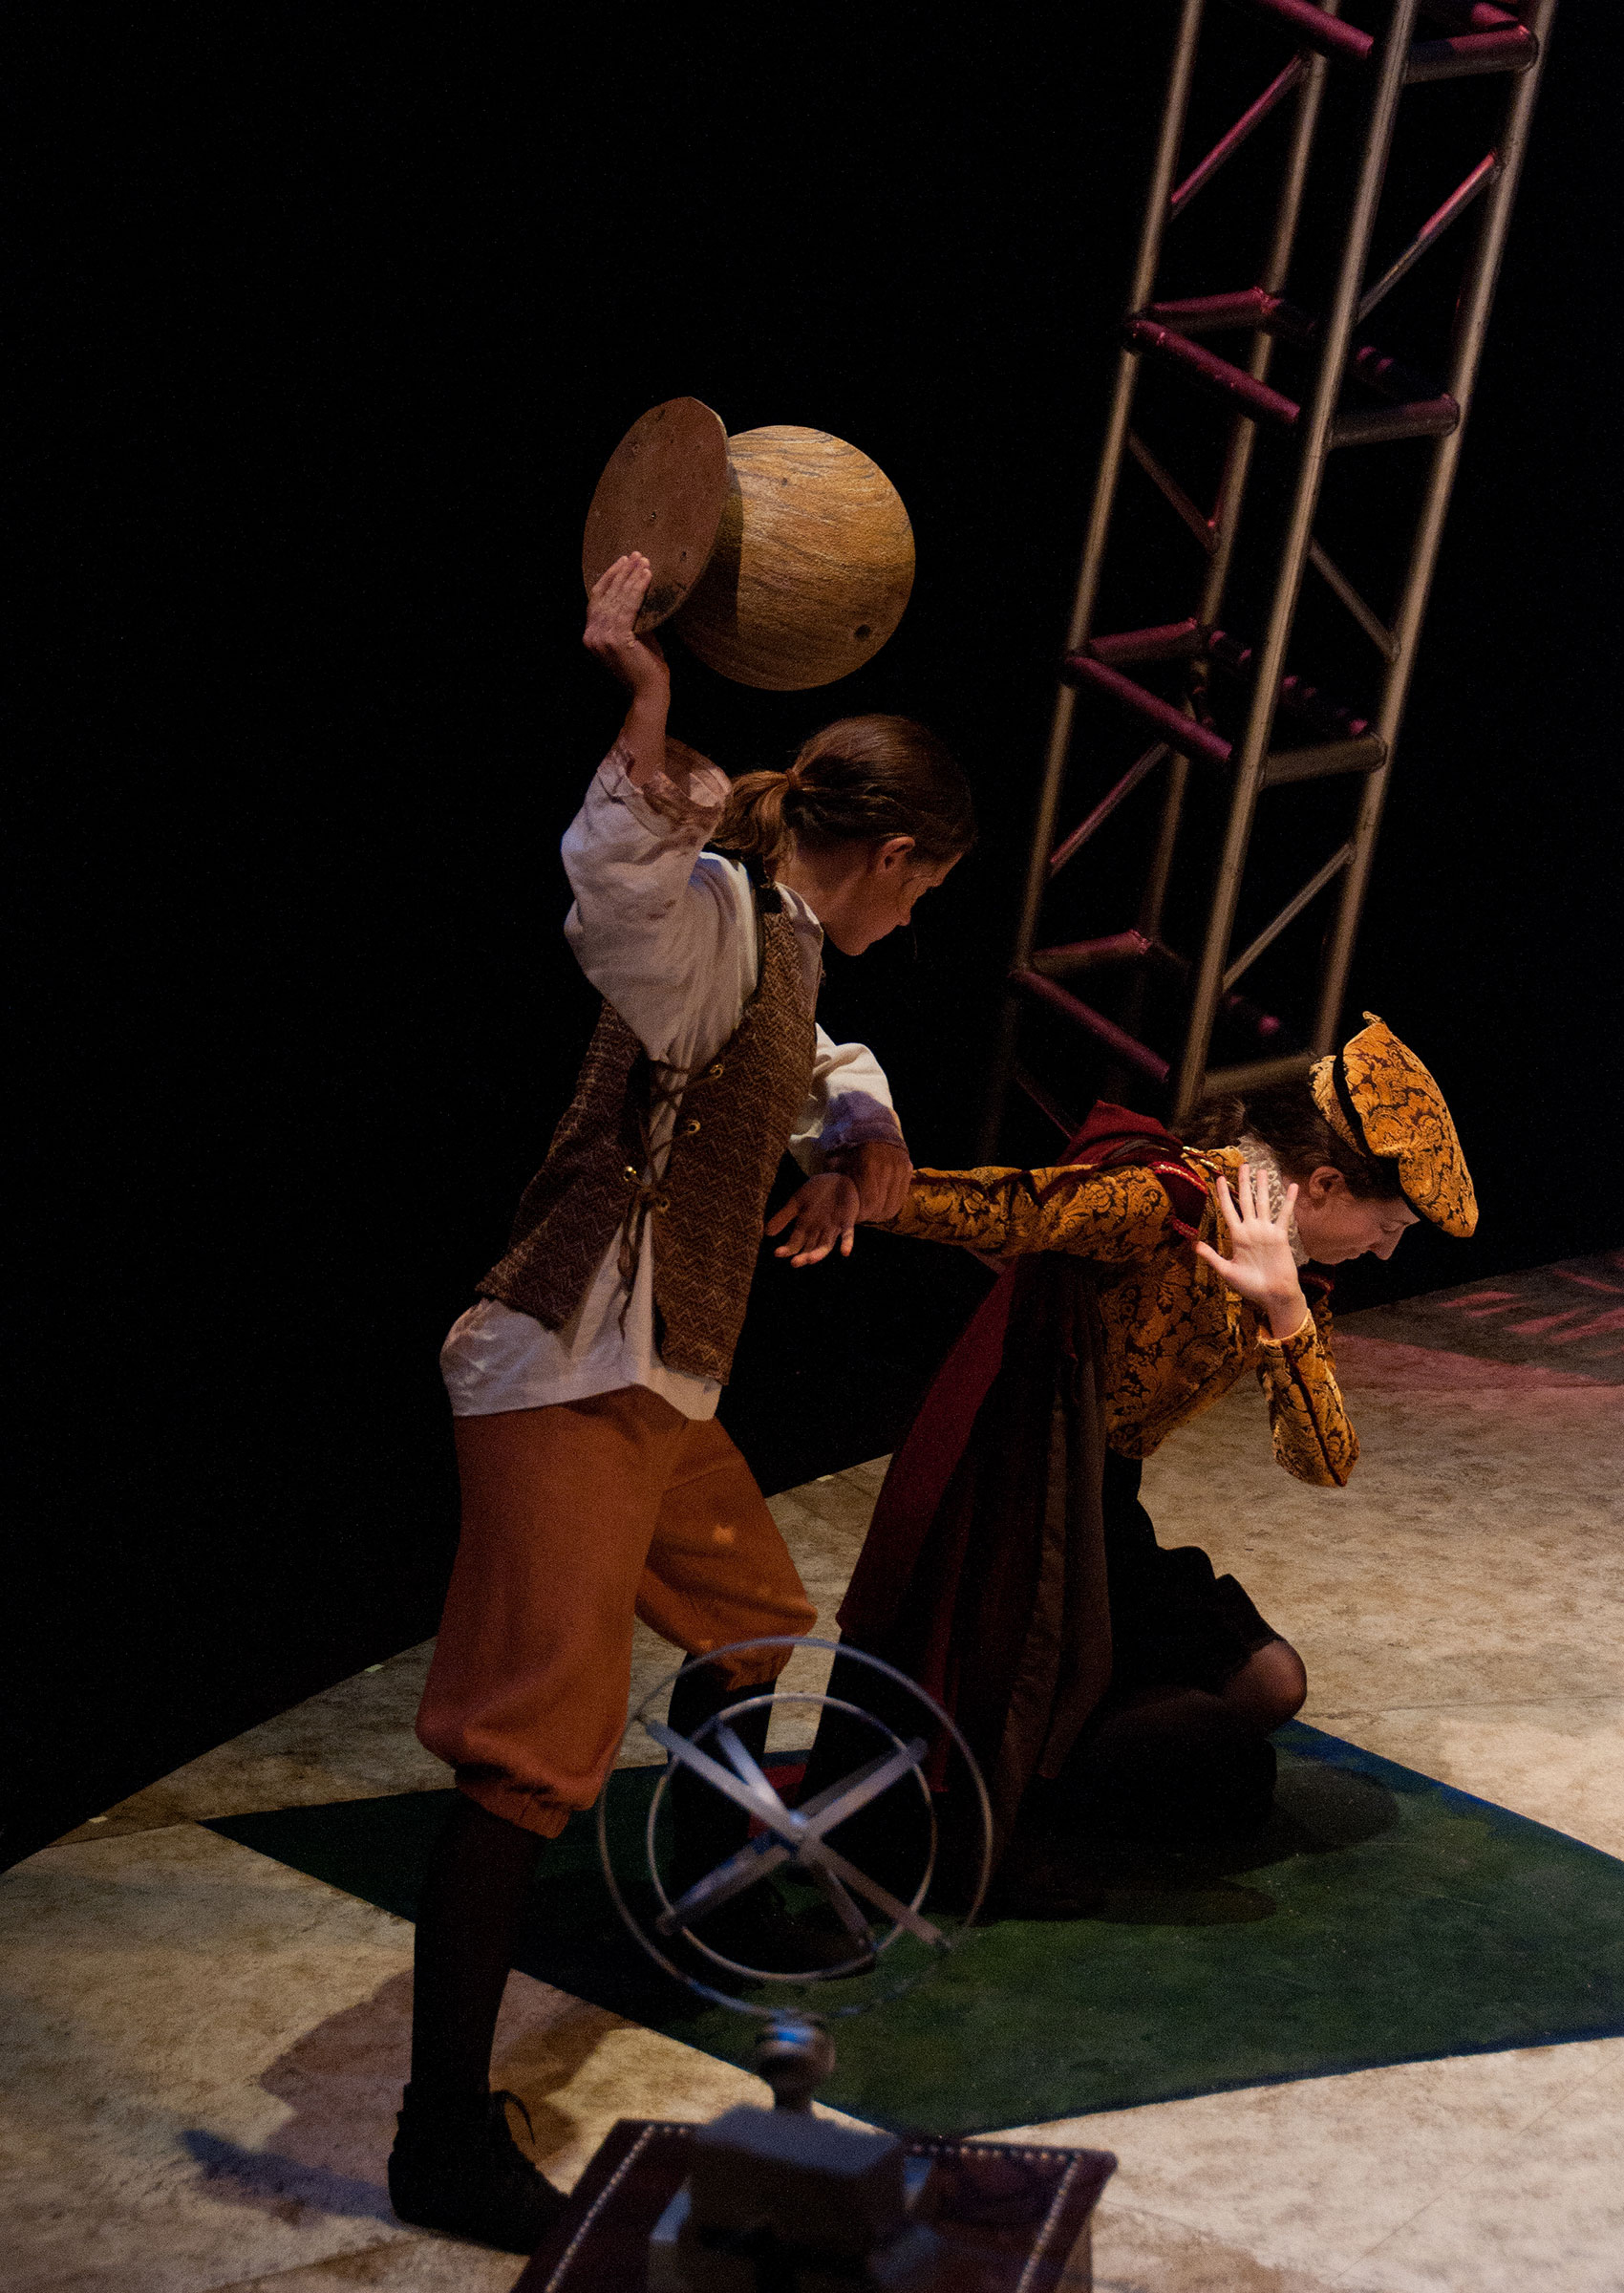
(796, 1841)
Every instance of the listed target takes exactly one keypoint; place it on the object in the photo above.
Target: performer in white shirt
(596, 1483)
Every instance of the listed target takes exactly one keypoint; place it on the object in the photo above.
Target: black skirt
(1174, 1622)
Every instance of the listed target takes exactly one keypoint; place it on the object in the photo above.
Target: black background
(333, 323)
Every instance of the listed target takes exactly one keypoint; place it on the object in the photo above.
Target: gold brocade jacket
(1177, 1336)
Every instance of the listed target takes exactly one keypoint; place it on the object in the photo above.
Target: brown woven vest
(704, 1209)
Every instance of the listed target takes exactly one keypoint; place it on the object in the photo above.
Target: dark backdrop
(335, 322)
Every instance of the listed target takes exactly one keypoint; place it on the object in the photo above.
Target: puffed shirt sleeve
(666, 932)
(849, 1105)
(657, 932)
(1308, 1418)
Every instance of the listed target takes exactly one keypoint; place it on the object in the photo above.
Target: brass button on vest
(691, 1126)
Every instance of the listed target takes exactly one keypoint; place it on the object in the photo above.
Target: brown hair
(858, 781)
(1287, 1120)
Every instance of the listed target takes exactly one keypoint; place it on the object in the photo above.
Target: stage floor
(205, 2048)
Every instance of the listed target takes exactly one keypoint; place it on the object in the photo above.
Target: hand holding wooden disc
(663, 491)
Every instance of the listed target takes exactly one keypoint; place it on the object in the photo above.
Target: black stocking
(709, 1828)
(468, 1915)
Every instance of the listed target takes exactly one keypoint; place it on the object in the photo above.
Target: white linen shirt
(666, 931)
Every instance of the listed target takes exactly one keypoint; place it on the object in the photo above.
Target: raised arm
(657, 929)
(610, 636)
(1314, 1439)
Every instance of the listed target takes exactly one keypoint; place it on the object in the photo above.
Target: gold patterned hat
(1381, 1101)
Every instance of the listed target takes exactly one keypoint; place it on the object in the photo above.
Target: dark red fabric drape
(983, 1572)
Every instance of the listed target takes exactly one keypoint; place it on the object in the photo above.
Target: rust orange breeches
(574, 1518)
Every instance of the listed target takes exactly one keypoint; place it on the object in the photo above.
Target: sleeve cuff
(1303, 1337)
(660, 805)
(856, 1119)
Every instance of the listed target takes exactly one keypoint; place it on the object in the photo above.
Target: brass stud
(692, 1125)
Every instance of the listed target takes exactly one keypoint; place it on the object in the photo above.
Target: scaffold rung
(1116, 1040)
(1172, 641)
(1385, 425)
(1344, 43)
(1210, 372)
(1472, 52)
(1184, 735)
(1469, 15)
(1330, 758)
(1090, 955)
(1251, 307)
(1391, 378)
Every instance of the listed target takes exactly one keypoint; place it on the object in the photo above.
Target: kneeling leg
(1175, 1765)
(1269, 1690)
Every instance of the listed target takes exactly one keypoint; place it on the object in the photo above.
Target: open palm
(1260, 1266)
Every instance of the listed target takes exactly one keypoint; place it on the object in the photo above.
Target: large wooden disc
(663, 491)
(812, 568)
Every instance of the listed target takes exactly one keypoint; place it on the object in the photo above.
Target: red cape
(940, 1435)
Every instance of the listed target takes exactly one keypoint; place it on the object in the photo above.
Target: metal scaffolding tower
(1352, 394)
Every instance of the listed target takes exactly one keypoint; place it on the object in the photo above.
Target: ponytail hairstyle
(859, 780)
(1288, 1121)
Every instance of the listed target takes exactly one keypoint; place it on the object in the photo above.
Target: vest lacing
(668, 1093)
(666, 1086)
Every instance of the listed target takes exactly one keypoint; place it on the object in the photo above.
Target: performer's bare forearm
(611, 636)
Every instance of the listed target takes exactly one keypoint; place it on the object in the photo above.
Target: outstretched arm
(1112, 1216)
(638, 662)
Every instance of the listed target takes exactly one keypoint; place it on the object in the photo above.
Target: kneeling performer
(1107, 1682)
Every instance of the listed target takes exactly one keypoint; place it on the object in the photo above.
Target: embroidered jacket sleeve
(1314, 1436)
(1111, 1216)
(1177, 1336)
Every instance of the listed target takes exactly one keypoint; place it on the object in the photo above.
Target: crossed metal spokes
(797, 1834)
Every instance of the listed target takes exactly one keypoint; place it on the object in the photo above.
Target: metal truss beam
(1336, 62)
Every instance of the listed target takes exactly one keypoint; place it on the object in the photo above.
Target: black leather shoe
(460, 2170)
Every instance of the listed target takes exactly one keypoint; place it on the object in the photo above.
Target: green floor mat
(1383, 1918)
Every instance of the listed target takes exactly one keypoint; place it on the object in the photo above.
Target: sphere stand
(783, 2200)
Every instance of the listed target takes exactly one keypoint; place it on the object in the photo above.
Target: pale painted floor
(204, 2049)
